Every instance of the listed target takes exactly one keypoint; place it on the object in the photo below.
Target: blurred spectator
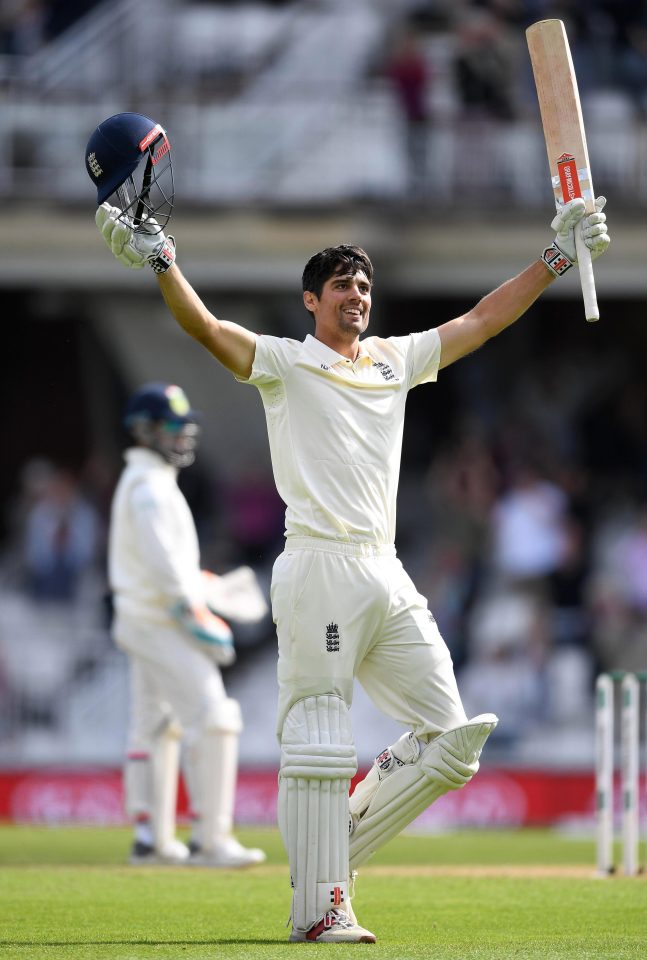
(529, 526)
(409, 74)
(33, 482)
(255, 515)
(617, 592)
(60, 540)
(485, 65)
(613, 434)
(22, 26)
(461, 489)
(508, 648)
(630, 561)
(567, 587)
(633, 60)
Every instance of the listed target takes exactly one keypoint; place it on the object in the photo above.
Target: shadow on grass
(222, 941)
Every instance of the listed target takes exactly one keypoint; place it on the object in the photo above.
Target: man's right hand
(212, 633)
(135, 248)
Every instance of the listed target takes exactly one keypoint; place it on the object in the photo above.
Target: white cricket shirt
(335, 429)
(153, 551)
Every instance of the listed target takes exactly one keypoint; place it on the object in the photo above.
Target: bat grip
(587, 279)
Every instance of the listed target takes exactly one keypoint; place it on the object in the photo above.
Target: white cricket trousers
(350, 610)
(170, 679)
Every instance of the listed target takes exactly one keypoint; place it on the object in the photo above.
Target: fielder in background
(343, 605)
(168, 620)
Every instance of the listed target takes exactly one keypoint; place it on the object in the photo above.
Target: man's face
(343, 307)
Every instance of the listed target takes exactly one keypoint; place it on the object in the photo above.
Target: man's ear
(310, 300)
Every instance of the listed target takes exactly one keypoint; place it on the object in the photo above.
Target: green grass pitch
(527, 895)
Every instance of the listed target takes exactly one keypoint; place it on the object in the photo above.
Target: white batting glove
(135, 248)
(212, 632)
(562, 253)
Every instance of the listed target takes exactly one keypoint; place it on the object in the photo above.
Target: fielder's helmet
(130, 155)
(159, 416)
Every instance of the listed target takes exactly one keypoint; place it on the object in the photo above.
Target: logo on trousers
(332, 638)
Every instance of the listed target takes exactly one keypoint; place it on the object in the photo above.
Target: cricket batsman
(343, 605)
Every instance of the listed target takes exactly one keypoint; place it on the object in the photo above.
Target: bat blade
(561, 117)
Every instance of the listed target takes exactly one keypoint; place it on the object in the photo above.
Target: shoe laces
(337, 918)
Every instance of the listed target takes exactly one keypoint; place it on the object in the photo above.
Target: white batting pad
(407, 777)
(165, 762)
(318, 761)
(211, 767)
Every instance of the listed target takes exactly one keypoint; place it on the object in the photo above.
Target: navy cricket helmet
(130, 155)
(159, 416)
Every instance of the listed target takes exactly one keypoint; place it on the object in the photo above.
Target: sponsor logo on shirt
(385, 370)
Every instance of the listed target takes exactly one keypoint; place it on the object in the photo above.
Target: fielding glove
(135, 248)
(211, 631)
(236, 595)
(562, 254)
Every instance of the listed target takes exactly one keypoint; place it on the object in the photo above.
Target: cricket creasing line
(527, 871)
(520, 871)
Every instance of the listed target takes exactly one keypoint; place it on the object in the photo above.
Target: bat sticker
(568, 177)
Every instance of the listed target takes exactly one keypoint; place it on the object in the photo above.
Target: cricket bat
(561, 117)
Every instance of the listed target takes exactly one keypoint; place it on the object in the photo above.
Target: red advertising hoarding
(495, 798)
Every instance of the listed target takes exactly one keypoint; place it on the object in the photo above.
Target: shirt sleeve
(426, 350)
(422, 356)
(270, 361)
(155, 525)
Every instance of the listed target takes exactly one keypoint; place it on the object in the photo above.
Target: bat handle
(587, 279)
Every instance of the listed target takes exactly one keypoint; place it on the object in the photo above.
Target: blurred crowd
(26, 26)
(527, 531)
(468, 61)
(608, 39)
(529, 537)
(526, 527)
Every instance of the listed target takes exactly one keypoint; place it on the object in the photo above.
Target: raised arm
(496, 311)
(231, 344)
(500, 308)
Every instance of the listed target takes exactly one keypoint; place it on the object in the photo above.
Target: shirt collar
(145, 457)
(330, 357)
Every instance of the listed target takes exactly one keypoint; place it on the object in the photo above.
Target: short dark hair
(345, 258)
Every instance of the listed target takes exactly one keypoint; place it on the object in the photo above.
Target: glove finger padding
(106, 222)
(135, 248)
(568, 214)
(120, 237)
(594, 230)
(562, 253)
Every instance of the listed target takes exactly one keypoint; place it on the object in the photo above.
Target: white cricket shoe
(173, 853)
(336, 926)
(227, 853)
